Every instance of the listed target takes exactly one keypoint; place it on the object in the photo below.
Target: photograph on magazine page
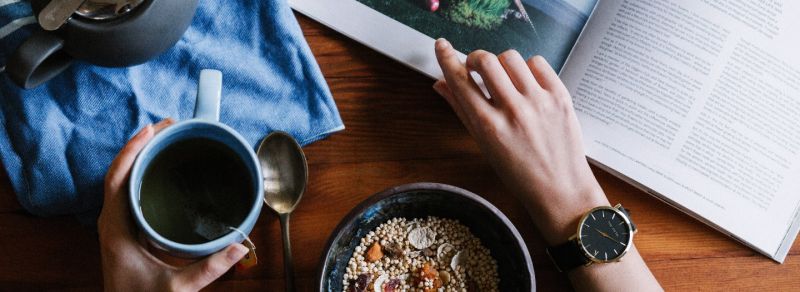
(532, 27)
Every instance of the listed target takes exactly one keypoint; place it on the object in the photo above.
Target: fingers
(494, 76)
(114, 218)
(198, 275)
(519, 72)
(121, 165)
(466, 92)
(163, 124)
(440, 86)
(545, 75)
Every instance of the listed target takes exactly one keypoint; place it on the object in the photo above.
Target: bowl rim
(359, 209)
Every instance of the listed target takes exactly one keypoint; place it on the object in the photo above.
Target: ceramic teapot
(109, 33)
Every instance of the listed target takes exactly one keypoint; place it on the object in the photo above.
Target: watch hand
(609, 237)
(602, 233)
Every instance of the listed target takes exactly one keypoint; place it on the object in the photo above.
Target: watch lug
(628, 215)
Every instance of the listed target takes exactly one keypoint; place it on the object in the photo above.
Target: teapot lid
(106, 9)
(57, 12)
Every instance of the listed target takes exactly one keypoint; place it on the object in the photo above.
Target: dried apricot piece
(427, 274)
(374, 253)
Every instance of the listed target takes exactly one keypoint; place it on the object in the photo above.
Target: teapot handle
(37, 60)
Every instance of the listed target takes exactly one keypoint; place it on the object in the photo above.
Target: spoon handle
(288, 269)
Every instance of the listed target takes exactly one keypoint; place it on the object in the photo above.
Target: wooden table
(398, 131)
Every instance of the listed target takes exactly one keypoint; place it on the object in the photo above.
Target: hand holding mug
(128, 265)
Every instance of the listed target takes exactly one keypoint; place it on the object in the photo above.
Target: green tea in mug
(194, 190)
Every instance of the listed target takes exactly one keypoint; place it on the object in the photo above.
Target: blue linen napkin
(57, 140)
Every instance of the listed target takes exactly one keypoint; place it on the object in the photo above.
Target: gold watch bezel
(578, 235)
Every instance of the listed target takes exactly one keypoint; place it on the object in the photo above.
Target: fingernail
(442, 44)
(541, 59)
(164, 122)
(437, 86)
(237, 252)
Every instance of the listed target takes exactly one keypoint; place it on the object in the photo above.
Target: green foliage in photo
(483, 14)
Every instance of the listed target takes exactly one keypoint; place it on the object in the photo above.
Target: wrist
(557, 216)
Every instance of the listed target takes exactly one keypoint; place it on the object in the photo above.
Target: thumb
(198, 275)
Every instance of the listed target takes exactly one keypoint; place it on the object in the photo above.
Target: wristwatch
(604, 235)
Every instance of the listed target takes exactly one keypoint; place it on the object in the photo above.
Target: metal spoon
(285, 172)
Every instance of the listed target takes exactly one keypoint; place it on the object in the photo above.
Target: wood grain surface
(398, 131)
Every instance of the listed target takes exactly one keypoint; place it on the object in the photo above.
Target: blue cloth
(57, 140)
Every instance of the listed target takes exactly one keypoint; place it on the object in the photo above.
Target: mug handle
(209, 92)
(37, 60)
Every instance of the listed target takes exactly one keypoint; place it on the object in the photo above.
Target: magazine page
(406, 29)
(698, 102)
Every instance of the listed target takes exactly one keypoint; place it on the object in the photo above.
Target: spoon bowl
(285, 171)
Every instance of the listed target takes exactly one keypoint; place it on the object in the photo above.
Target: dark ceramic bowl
(420, 200)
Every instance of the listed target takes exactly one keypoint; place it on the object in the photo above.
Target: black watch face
(605, 235)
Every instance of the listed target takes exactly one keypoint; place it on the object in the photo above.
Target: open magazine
(694, 102)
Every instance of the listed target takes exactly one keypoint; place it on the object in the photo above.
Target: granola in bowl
(425, 254)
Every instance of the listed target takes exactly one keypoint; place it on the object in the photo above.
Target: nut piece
(374, 253)
(444, 251)
(393, 250)
(458, 260)
(445, 276)
(421, 237)
(378, 285)
(428, 252)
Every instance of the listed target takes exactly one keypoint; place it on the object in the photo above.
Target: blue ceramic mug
(205, 124)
